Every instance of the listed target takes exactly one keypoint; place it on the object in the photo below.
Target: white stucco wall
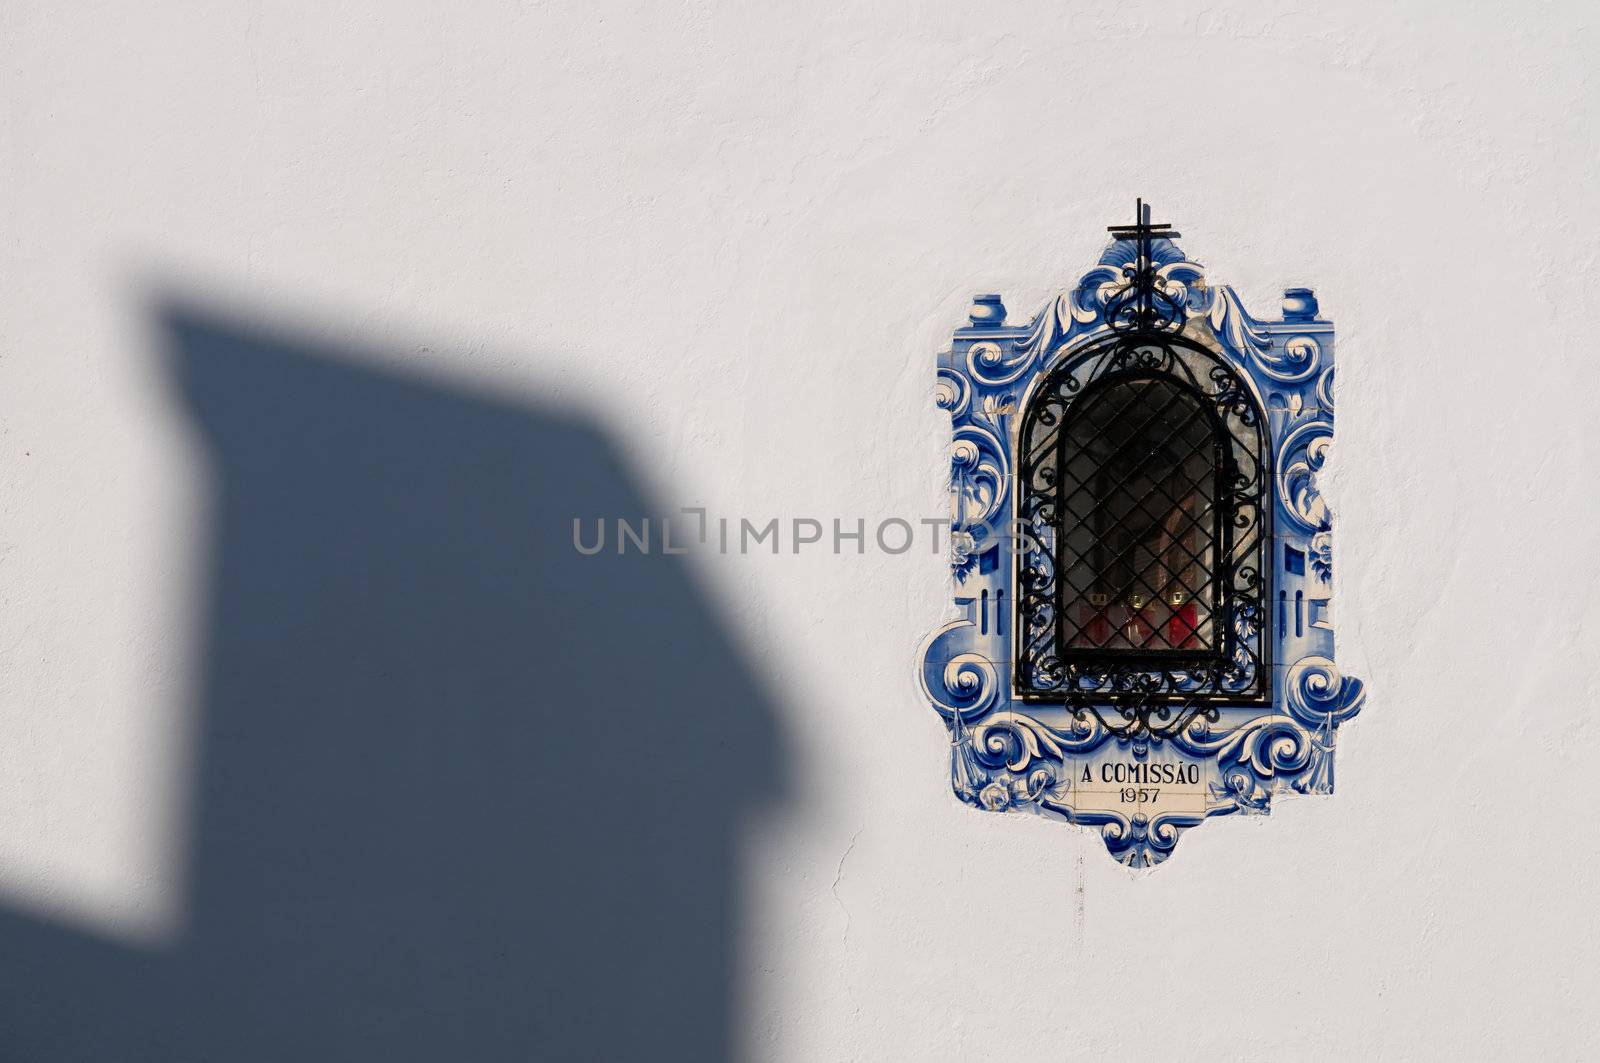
(740, 233)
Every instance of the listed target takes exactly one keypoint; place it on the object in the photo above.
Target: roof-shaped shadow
(463, 793)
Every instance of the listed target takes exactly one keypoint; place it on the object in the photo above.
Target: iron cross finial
(1142, 229)
(1135, 307)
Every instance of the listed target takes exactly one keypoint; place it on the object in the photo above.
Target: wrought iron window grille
(1144, 489)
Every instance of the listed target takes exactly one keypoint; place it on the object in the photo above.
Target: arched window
(1143, 492)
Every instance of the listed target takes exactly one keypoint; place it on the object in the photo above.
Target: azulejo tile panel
(1140, 747)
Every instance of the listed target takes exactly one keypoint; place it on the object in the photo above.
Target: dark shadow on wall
(463, 794)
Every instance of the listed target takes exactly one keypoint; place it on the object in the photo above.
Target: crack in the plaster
(839, 877)
(1079, 915)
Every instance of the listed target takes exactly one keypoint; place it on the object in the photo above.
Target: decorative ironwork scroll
(1141, 554)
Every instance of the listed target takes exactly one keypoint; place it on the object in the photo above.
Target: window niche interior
(1137, 547)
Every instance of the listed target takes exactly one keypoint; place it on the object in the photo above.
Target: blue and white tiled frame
(1140, 786)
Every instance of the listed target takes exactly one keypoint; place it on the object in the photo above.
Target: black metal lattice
(1138, 540)
(1143, 487)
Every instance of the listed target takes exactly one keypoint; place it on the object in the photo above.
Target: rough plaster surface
(739, 233)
